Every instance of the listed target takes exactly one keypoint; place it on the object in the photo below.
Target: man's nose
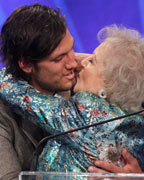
(71, 62)
(79, 67)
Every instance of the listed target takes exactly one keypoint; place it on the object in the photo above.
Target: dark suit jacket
(18, 140)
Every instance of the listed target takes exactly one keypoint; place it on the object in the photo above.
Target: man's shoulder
(7, 117)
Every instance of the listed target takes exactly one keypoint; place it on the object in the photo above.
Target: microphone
(47, 138)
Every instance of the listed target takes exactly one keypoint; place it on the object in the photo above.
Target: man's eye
(58, 59)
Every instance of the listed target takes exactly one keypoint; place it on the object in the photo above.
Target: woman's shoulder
(85, 96)
(97, 105)
(91, 99)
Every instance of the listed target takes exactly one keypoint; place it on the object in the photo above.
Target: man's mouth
(70, 75)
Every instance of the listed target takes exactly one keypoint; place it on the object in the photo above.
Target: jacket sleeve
(54, 114)
(9, 162)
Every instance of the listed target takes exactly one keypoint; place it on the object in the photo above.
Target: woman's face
(89, 78)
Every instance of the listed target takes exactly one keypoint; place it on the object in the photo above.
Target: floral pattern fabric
(76, 151)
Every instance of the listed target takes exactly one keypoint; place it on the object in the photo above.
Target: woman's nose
(84, 63)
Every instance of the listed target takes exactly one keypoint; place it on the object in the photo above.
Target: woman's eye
(91, 61)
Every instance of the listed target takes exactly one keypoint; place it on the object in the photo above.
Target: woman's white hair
(123, 75)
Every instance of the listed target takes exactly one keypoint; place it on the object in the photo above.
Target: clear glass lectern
(77, 176)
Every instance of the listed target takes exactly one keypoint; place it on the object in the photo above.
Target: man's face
(56, 72)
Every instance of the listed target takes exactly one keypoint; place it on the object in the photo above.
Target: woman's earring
(102, 93)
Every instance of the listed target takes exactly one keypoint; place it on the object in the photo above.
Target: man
(36, 47)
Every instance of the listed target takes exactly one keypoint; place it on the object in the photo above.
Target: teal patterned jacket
(75, 152)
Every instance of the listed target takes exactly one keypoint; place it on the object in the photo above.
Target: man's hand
(131, 165)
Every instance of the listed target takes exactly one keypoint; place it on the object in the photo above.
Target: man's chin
(67, 87)
(70, 85)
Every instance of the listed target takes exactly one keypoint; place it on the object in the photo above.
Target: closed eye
(91, 61)
(59, 58)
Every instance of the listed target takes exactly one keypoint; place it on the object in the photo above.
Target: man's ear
(25, 67)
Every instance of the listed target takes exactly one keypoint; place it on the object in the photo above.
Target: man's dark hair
(31, 33)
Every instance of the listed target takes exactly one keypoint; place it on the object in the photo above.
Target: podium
(24, 175)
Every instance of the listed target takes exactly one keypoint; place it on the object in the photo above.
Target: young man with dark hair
(36, 44)
(36, 47)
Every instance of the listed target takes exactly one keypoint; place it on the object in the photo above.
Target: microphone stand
(47, 138)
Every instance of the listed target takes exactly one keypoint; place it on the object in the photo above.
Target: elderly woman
(110, 84)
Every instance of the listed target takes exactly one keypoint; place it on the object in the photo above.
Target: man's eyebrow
(58, 56)
(62, 54)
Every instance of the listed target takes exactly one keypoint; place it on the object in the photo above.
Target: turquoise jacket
(75, 152)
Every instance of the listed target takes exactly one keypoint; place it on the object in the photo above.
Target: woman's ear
(25, 67)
